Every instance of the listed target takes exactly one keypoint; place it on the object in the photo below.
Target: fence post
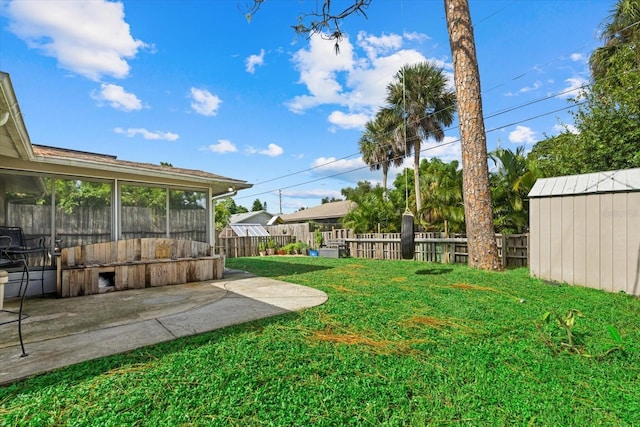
(504, 250)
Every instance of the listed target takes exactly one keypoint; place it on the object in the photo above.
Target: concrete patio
(62, 332)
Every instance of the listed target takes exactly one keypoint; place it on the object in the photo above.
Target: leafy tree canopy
(329, 200)
(257, 206)
(608, 117)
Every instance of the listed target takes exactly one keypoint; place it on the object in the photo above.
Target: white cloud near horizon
(309, 194)
(147, 134)
(204, 102)
(116, 97)
(222, 146)
(522, 135)
(89, 38)
(253, 61)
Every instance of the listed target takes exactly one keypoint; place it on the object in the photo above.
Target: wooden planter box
(134, 264)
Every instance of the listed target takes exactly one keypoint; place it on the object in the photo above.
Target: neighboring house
(113, 191)
(328, 214)
(256, 217)
(585, 230)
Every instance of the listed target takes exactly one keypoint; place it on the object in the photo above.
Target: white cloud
(536, 85)
(90, 38)
(413, 36)
(447, 150)
(222, 146)
(117, 97)
(348, 121)
(254, 60)
(374, 45)
(574, 86)
(272, 150)
(204, 102)
(318, 66)
(522, 135)
(146, 134)
(577, 57)
(357, 83)
(563, 128)
(349, 170)
(313, 193)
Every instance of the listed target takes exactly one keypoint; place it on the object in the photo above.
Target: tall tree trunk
(482, 247)
(416, 176)
(385, 172)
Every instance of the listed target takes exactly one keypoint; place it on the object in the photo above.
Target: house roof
(598, 182)
(18, 154)
(104, 163)
(324, 211)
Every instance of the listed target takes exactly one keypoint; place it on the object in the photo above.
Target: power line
(421, 151)
(492, 115)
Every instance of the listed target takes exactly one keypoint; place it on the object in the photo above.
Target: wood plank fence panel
(430, 247)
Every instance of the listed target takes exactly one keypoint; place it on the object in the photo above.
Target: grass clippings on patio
(397, 343)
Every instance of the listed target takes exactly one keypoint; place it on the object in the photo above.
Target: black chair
(23, 248)
(7, 261)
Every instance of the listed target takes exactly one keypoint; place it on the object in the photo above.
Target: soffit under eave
(14, 138)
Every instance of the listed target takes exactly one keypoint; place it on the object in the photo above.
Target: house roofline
(14, 126)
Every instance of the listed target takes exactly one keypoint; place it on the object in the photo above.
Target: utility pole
(280, 196)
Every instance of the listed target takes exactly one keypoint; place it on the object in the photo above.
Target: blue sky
(193, 83)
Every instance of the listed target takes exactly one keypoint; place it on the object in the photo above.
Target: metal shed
(585, 230)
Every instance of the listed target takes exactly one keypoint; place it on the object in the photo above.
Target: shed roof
(249, 216)
(598, 182)
(252, 230)
(324, 211)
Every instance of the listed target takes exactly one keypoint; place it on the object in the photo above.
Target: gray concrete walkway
(62, 332)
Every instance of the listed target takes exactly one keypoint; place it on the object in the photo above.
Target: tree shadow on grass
(273, 267)
(434, 271)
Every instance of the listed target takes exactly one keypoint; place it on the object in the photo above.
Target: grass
(397, 343)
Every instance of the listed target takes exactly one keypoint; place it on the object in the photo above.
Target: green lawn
(397, 343)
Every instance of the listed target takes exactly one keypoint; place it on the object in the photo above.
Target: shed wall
(590, 240)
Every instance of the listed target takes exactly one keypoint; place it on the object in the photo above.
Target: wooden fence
(298, 232)
(433, 247)
(236, 247)
(429, 247)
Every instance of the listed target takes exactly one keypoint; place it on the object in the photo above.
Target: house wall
(590, 240)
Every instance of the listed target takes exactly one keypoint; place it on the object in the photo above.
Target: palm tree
(511, 183)
(420, 94)
(620, 32)
(442, 186)
(380, 144)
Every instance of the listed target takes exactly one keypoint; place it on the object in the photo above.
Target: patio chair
(23, 248)
(7, 261)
